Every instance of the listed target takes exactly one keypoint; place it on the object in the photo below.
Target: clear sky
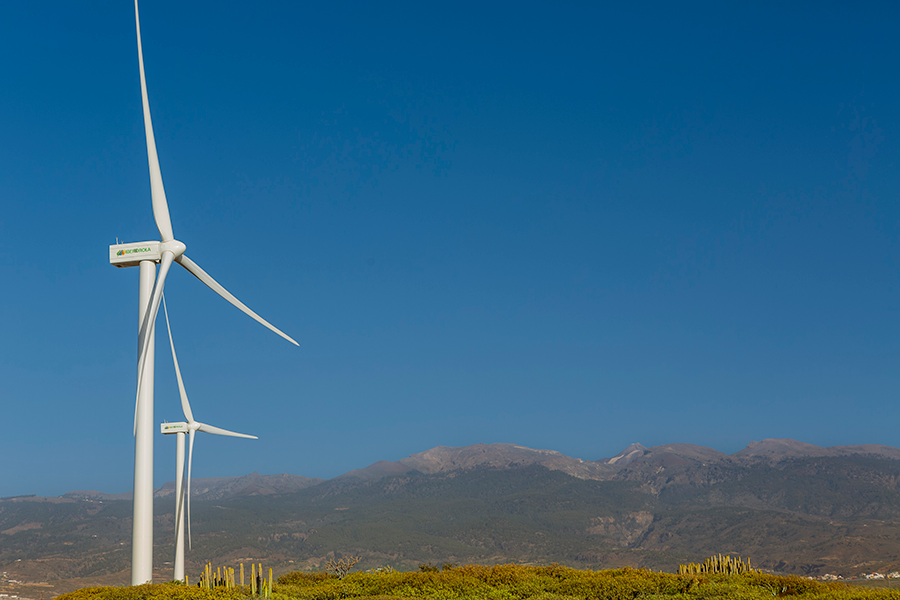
(570, 227)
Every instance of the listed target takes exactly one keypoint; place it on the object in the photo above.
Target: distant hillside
(791, 507)
(215, 488)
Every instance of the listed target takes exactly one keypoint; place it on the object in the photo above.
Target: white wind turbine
(147, 255)
(182, 483)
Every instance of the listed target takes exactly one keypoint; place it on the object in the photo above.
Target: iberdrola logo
(125, 251)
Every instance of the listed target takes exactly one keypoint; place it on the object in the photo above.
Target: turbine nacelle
(170, 428)
(131, 255)
(189, 427)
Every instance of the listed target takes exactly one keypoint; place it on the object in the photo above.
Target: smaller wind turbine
(182, 483)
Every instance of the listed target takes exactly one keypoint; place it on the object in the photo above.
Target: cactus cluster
(719, 564)
(224, 577)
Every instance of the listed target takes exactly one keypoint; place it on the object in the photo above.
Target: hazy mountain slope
(525, 512)
(214, 488)
(254, 484)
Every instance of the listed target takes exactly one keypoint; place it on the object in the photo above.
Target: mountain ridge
(445, 459)
(441, 459)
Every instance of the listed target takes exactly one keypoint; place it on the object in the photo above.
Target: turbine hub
(174, 246)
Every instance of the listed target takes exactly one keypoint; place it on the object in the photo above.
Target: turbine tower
(147, 255)
(182, 483)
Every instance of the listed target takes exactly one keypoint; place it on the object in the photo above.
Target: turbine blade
(185, 405)
(157, 192)
(200, 274)
(180, 493)
(147, 327)
(190, 462)
(219, 431)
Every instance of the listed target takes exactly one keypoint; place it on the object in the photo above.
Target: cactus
(226, 577)
(725, 565)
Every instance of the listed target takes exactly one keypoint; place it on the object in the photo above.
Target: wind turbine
(147, 255)
(182, 483)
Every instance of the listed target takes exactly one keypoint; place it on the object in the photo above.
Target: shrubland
(510, 582)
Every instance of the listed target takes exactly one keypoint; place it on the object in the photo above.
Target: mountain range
(787, 505)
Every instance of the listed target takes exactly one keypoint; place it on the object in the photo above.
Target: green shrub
(307, 579)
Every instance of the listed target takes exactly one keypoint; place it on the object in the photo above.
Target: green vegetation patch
(159, 591)
(511, 582)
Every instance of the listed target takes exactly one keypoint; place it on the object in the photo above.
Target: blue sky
(570, 227)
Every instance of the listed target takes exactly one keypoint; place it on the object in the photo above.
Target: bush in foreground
(158, 591)
(512, 582)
